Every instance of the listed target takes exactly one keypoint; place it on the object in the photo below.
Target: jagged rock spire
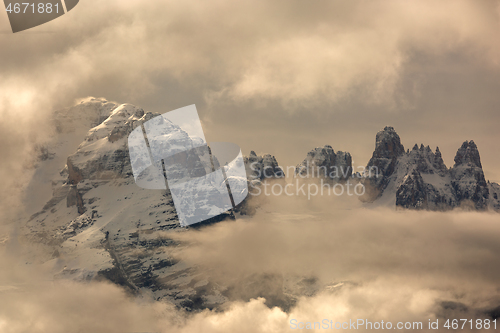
(261, 167)
(438, 162)
(468, 154)
(323, 162)
(388, 144)
(423, 181)
(468, 179)
(388, 149)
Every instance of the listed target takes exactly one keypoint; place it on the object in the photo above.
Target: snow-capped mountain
(323, 162)
(95, 222)
(419, 179)
(261, 167)
(100, 224)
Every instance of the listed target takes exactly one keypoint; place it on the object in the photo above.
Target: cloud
(285, 50)
(315, 66)
(279, 77)
(397, 266)
(293, 236)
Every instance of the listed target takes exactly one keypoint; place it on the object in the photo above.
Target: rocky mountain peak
(468, 154)
(468, 179)
(388, 144)
(438, 162)
(425, 160)
(114, 223)
(388, 149)
(260, 167)
(103, 154)
(412, 192)
(421, 179)
(323, 162)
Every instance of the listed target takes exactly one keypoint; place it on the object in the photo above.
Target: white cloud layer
(395, 266)
(296, 74)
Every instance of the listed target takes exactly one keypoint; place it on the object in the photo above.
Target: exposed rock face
(388, 144)
(119, 229)
(468, 154)
(412, 192)
(419, 179)
(323, 162)
(109, 227)
(426, 161)
(74, 198)
(494, 200)
(468, 179)
(261, 167)
(425, 180)
(438, 162)
(190, 156)
(103, 155)
(388, 149)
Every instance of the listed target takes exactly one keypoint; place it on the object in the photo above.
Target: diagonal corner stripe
(64, 6)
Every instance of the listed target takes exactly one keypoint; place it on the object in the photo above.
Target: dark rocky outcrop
(412, 193)
(323, 162)
(74, 198)
(388, 149)
(419, 178)
(260, 167)
(468, 180)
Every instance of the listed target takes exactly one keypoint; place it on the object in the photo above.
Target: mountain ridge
(422, 180)
(98, 224)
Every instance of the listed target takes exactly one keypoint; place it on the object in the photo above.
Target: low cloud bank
(370, 264)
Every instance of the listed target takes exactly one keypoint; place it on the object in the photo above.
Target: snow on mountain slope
(323, 162)
(96, 223)
(70, 127)
(100, 224)
(261, 167)
(419, 179)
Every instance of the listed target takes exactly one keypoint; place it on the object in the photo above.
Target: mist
(278, 77)
(275, 77)
(359, 263)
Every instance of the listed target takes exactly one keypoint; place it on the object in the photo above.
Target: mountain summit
(419, 179)
(96, 223)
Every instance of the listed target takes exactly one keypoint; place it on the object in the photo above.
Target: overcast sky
(279, 77)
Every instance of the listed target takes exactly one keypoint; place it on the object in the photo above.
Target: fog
(279, 77)
(371, 264)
